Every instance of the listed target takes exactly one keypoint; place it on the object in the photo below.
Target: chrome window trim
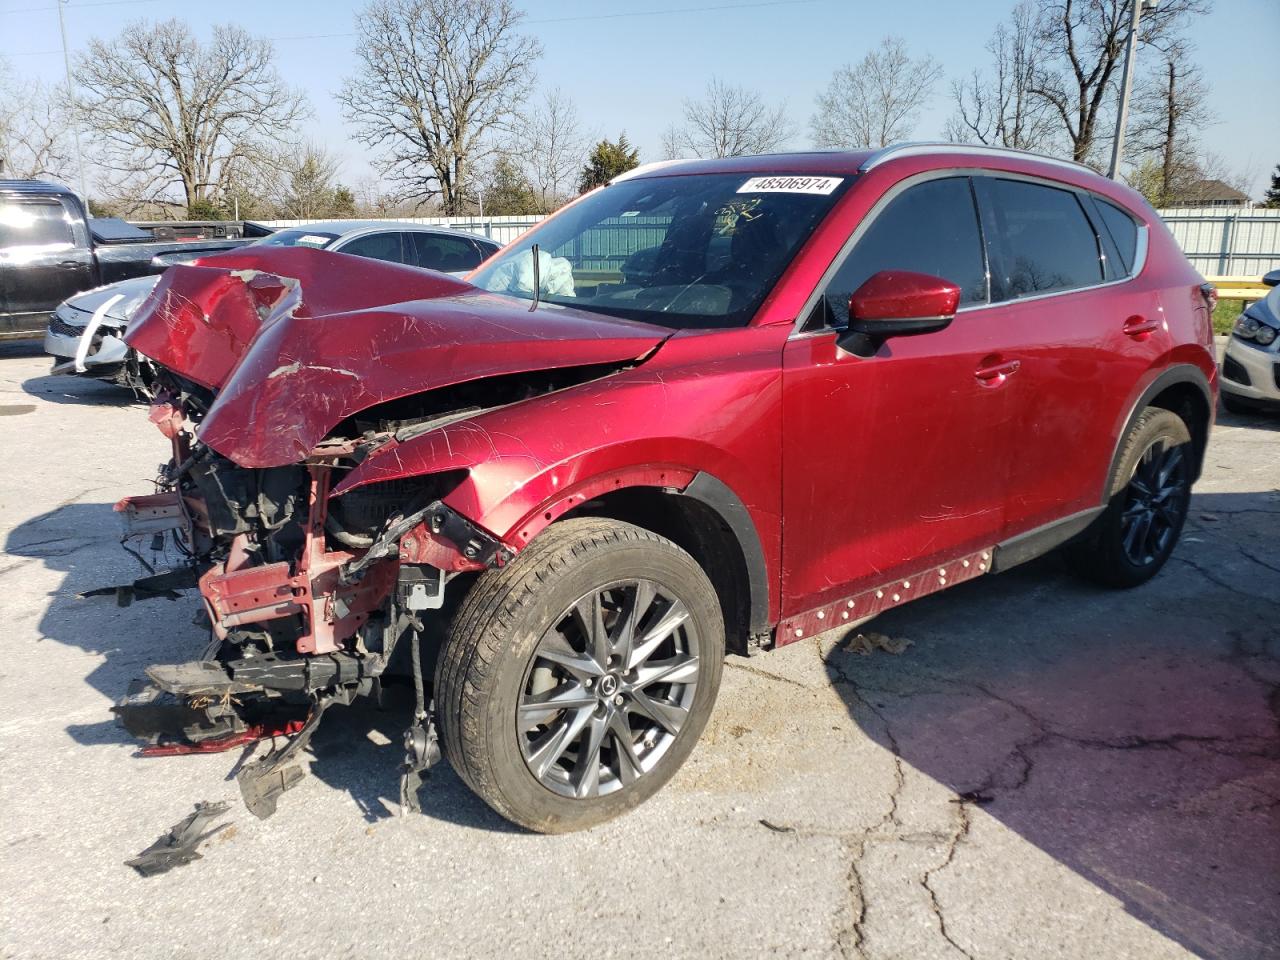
(811, 302)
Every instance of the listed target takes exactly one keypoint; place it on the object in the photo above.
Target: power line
(77, 6)
(668, 11)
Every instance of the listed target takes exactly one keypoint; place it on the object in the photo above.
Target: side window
(1044, 238)
(444, 253)
(1123, 230)
(375, 246)
(40, 223)
(930, 228)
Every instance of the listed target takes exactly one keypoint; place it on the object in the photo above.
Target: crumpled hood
(296, 340)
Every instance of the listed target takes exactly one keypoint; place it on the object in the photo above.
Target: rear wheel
(577, 679)
(1150, 494)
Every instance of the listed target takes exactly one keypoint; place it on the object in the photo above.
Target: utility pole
(75, 126)
(1126, 85)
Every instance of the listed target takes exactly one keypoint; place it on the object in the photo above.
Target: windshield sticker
(817, 185)
(313, 238)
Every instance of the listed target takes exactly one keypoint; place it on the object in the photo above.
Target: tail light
(1210, 294)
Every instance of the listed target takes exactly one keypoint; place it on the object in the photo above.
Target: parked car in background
(81, 344)
(50, 250)
(418, 245)
(1251, 364)
(564, 483)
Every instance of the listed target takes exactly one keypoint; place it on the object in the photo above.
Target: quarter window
(1123, 231)
(1045, 240)
(930, 228)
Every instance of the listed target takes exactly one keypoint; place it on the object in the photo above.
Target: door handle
(1140, 328)
(71, 264)
(994, 371)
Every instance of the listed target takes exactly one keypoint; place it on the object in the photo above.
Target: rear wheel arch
(1183, 389)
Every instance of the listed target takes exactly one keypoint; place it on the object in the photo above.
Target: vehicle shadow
(80, 391)
(1134, 736)
(1253, 421)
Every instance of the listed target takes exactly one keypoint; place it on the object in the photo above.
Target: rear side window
(1123, 230)
(39, 223)
(447, 254)
(930, 228)
(1045, 240)
(376, 246)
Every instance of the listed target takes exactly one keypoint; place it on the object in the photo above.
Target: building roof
(1206, 192)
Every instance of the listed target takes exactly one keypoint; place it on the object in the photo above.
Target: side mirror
(897, 303)
(1272, 279)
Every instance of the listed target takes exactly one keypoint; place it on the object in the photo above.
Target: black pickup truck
(50, 250)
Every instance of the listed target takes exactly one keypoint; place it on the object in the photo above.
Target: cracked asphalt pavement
(1047, 770)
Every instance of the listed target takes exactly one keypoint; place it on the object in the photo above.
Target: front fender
(704, 405)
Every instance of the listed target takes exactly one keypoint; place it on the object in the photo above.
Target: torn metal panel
(178, 845)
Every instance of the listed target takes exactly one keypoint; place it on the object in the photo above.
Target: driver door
(898, 461)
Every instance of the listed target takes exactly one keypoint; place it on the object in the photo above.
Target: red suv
(711, 407)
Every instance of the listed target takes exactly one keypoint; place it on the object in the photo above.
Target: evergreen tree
(606, 161)
(507, 191)
(1272, 198)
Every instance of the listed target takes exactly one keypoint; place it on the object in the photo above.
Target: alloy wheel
(608, 689)
(1155, 502)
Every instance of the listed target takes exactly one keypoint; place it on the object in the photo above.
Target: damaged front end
(308, 596)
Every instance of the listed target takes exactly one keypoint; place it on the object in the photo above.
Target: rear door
(44, 258)
(384, 245)
(895, 462)
(436, 251)
(1082, 334)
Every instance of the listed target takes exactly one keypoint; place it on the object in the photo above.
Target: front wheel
(1150, 495)
(577, 679)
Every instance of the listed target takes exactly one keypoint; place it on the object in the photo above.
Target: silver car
(1251, 365)
(86, 332)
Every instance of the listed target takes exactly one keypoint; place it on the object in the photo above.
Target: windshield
(297, 238)
(681, 251)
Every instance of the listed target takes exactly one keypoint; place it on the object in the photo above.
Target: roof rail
(916, 148)
(647, 168)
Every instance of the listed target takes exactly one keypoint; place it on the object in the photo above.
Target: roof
(847, 162)
(1202, 192)
(39, 187)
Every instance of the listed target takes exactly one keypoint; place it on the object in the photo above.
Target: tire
(1232, 405)
(522, 637)
(1121, 548)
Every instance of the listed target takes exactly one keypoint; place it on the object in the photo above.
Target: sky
(629, 64)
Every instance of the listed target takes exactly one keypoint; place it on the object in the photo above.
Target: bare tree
(1170, 109)
(549, 144)
(35, 130)
(1080, 49)
(728, 122)
(167, 110)
(436, 79)
(875, 101)
(998, 108)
